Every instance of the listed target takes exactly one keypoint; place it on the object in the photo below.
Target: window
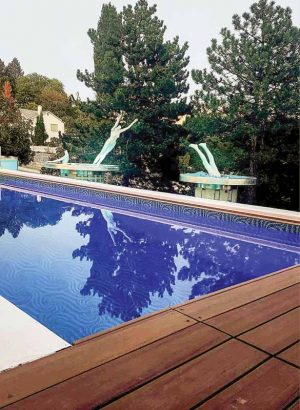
(54, 127)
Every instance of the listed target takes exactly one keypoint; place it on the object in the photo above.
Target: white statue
(63, 160)
(208, 162)
(110, 143)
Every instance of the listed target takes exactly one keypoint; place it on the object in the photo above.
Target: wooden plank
(209, 295)
(33, 377)
(185, 386)
(215, 305)
(85, 339)
(238, 285)
(255, 313)
(273, 385)
(119, 326)
(96, 387)
(276, 334)
(292, 354)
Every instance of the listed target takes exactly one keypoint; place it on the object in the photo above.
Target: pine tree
(253, 87)
(40, 135)
(140, 73)
(108, 65)
(14, 69)
(13, 72)
(14, 131)
(3, 74)
(2, 68)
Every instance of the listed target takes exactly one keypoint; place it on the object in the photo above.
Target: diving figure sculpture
(207, 160)
(63, 160)
(110, 143)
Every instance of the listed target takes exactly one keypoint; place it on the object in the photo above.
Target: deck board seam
(270, 320)
(176, 367)
(233, 381)
(236, 337)
(188, 303)
(288, 406)
(237, 307)
(254, 327)
(285, 348)
(133, 388)
(162, 374)
(264, 351)
(287, 362)
(195, 322)
(101, 364)
(121, 326)
(239, 285)
(249, 303)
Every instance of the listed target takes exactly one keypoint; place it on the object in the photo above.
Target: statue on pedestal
(110, 143)
(208, 162)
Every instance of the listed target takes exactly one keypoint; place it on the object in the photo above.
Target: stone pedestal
(223, 188)
(85, 172)
(222, 194)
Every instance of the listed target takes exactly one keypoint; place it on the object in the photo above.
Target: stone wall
(42, 153)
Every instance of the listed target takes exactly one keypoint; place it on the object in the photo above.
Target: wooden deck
(237, 348)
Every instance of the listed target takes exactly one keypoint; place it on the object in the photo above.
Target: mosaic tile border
(272, 230)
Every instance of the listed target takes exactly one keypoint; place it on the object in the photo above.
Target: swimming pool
(79, 267)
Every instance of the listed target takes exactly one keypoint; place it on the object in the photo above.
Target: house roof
(28, 114)
(32, 114)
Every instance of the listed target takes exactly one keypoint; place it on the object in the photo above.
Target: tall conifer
(253, 88)
(137, 71)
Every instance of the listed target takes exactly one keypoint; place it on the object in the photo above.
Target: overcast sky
(50, 36)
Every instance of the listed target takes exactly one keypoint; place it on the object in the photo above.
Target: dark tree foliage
(10, 73)
(127, 284)
(108, 65)
(253, 90)
(14, 69)
(14, 131)
(2, 68)
(3, 74)
(40, 136)
(137, 71)
(19, 209)
(34, 89)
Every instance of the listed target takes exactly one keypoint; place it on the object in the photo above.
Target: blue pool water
(81, 269)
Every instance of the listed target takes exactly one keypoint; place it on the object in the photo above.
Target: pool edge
(259, 212)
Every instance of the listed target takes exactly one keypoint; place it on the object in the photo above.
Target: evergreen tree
(14, 69)
(13, 72)
(253, 89)
(140, 73)
(40, 135)
(2, 68)
(14, 131)
(108, 66)
(3, 74)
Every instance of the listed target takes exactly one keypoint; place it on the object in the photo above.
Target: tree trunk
(251, 197)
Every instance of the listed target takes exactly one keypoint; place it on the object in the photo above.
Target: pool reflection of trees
(19, 209)
(133, 260)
